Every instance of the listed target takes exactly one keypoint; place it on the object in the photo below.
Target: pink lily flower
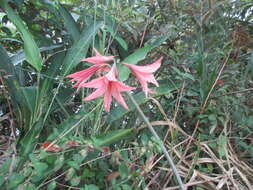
(144, 74)
(110, 87)
(98, 59)
(84, 75)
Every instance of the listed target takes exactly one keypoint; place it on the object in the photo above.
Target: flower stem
(145, 119)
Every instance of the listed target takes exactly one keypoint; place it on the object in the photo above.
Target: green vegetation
(50, 138)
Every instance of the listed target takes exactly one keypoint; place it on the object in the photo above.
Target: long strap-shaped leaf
(69, 23)
(7, 68)
(79, 49)
(32, 52)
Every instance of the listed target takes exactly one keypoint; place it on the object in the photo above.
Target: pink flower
(98, 59)
(144, 74)
(84, 75)
(109, 86)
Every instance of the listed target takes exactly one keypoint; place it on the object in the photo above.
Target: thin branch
(145, 119)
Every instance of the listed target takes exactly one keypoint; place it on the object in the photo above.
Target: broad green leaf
(123, 170)
(51, 186)
(118, 112)
(32, 53)
(14, 180)
(59, 163)
(74, 165)
(40, 167)
(112, 137)
(91, 187)
(4, 169)
(69, 22)
(79, 49)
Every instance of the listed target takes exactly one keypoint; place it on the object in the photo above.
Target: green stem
(145, 119)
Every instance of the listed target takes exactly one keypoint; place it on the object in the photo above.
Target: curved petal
(96, 52)
(98, 59)
(95, 94)
(116, 94)
(84, 73)
(111, 75)
(108, 97)
(122, 87)
(147, 68)
(148, 77)
(82, 76)
(95, 83)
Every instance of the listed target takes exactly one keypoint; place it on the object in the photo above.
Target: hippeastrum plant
(108, 84)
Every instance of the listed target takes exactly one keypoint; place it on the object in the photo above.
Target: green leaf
(69, 22)
(113, 33)
(126, 187)
(123, 170)
(15, 179)
(58, 163)
(75, 181)
(79, 49)
(1, 180)
(28, 142)
(91, 187)
(12, 81)
(112, 137)
(29, 94)
(51, 186)
(222, 145)
(4, 169)
(40, 167)
(32, 52)
(74, 165)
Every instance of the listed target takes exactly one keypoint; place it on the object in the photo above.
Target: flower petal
(147, 68)
(116, 94)
(108, 98)
(95, 94)
(82, 76)
(98, 59)
(95, 83)
(122, 87)
(111, 75)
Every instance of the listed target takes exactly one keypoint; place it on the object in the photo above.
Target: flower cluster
(107, 83)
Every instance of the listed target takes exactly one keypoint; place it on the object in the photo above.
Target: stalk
(145, 119)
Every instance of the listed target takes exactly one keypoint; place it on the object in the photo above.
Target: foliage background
(202, 109)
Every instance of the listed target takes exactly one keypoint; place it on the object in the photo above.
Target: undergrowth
(202, 110)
